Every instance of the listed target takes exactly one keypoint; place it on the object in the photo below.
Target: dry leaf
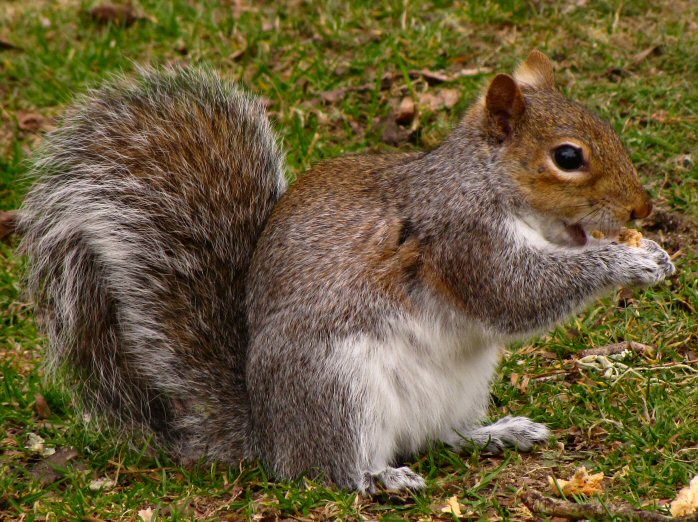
(432, 77)
(104, 483)
(473, 71)
(686, 502)
(49, 470)
(333, 96)
(626, 297)
(240, 44)
(581, 483)
(115, 14)
(35, 443)
(8, 222)
(435, 101)
(405, 111)
(393, 134)
(146, 515)
(435, 77)
(7, 46)
(654, 50)
(41, 406)
(452, 506)
(31, 121)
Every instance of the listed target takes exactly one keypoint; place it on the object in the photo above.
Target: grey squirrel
(342, 324)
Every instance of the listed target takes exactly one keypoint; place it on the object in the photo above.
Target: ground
(340, 77)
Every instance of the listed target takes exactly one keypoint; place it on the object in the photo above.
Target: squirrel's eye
(569, 157)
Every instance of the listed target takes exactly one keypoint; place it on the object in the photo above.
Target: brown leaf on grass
(443, 99)
(240, 44)
(432, 77)
(31, 121)
(405, 111)
(581, 483)
(473, 71)
(521, 382)
(436, 77)
(146, 515)
(41, 406)
(8, 222)
(7, 46)
(452, 506)
(394, 134)
(653, 50)
(626, 297)
(123, 15)
(333, 96)
(50, 470)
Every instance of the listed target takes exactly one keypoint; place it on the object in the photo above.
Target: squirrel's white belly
(423, 382)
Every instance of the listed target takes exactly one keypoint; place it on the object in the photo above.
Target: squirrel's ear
(504, 104)
(536, 71)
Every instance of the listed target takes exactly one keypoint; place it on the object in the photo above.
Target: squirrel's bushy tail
(139, 231)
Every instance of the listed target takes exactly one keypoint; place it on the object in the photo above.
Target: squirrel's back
(140, 229)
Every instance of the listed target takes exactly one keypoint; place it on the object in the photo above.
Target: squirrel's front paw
(646, 266)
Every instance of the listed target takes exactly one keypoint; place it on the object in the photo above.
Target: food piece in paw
(597, 234)
(627, 236)
(630, 237)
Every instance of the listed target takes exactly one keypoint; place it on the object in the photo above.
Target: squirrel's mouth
(581, 235)
(577, 234)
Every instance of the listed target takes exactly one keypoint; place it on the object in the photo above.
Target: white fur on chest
(425, 381)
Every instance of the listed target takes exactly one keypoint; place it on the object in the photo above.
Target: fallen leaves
(36, 444)
(442, 99)
(653, 50)
(452, 506)
(581, 483)
(406, 111)
(686, 502)
(435, 77)
(8, 222)
(403, 121)
(7, 46)
(50, 470)
(31, 121)
(41, 407)
(123, 15)
(101, 484)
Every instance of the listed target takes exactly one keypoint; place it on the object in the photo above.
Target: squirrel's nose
(642, 210)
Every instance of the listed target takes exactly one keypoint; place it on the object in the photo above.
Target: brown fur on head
(530, 119)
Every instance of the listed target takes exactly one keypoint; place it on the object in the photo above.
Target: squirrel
(338, 326)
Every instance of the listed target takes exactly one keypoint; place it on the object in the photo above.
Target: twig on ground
(616, 348)
(539, 503)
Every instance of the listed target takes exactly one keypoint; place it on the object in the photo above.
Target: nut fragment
(630, 237)
(627, 236)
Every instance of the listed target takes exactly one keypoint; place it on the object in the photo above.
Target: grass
(639, 428)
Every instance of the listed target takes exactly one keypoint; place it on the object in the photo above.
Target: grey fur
(140, 230)
(162, 285)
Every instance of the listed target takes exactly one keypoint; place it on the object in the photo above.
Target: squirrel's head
(571, 166)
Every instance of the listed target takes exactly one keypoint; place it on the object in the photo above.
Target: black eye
(569, 157)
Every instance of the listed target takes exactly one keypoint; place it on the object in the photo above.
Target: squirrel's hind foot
(519, 432)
